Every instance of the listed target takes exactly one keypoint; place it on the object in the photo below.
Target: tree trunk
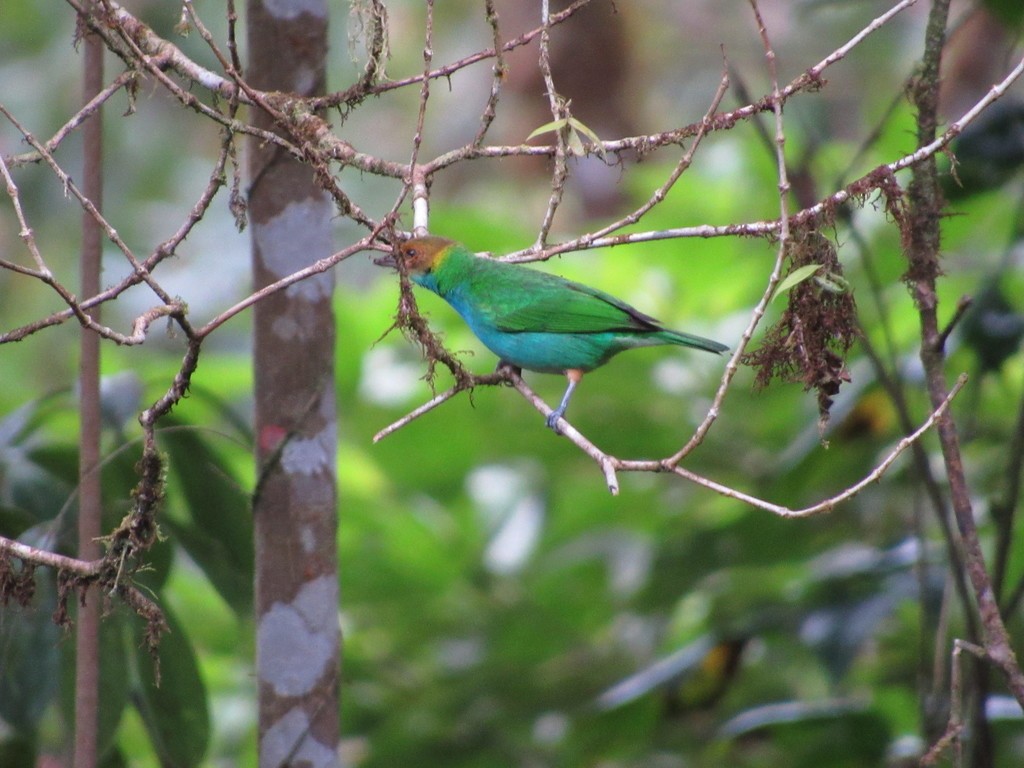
(295, 502)
(87, 631)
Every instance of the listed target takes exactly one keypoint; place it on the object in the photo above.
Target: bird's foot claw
(552, 422)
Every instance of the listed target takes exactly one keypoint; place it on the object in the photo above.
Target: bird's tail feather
(697, 342)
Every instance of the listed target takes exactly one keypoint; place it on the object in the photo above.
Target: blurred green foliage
(495, 598)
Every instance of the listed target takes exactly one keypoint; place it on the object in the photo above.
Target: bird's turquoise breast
(550, 352)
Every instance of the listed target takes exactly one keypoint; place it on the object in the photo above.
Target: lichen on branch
(809, 342)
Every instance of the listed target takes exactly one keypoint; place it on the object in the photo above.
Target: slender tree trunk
(923, 246)
(87, 645)
(295, 503)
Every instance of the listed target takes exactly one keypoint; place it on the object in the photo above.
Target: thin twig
(446, 71)
(416, 179)
(776, 274)
(499, 72)
(559, 111)
(28, 237)
(316, 268)
(955, 726)
(853, 490)
(88, 206)
(500, 377)
(29, 554)
(88, 109)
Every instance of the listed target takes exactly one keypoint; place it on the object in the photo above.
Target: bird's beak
(388, 260)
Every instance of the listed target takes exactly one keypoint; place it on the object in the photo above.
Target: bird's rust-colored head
(421, 255)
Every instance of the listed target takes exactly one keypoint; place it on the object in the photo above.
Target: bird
(530, 319)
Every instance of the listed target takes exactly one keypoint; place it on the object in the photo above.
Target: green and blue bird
(534, 320)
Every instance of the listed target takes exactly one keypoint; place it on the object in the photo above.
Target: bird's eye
(410, 253)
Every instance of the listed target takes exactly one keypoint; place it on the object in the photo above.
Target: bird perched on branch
(532, 319)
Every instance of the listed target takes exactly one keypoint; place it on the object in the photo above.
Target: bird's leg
(573, 375)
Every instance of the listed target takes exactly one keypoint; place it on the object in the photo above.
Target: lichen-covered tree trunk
(295, 502)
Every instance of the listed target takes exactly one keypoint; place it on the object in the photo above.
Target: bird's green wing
(528, 300)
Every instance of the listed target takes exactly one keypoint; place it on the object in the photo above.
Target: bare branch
(41, 272)
(773, 279)
(316, 268)
(559, 111)
(124, 79)
(490, 110)
(28, 554)
(357, 94)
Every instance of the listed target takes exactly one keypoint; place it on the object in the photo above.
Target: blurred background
(499, 607)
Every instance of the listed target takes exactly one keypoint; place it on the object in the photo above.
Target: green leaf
(18, 750)
(115, 665)
(218, 532)
(175, 712)
(554, 125)
(37, 481)
(585, 130)
(576, 128)
(28, 659)
(1011, 12)
(14, 521)
(114, 686)
(576, 144)
(795, 277)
